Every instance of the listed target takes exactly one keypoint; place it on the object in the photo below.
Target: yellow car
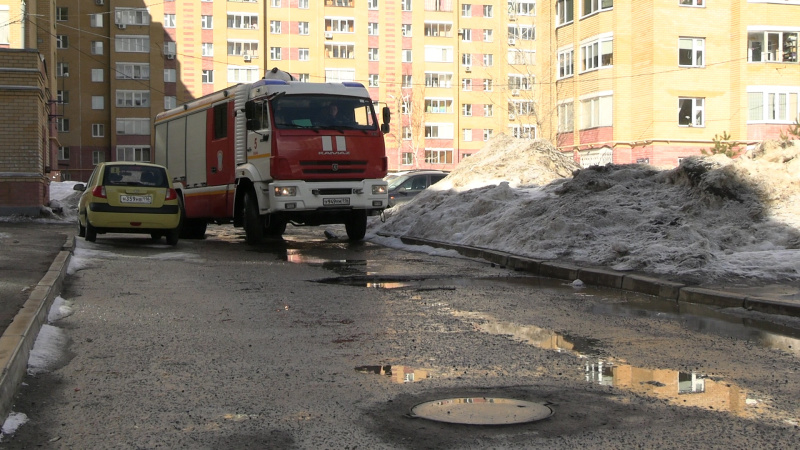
(129, 197)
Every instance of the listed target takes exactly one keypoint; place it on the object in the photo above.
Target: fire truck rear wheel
(356, 225)
(253, 224)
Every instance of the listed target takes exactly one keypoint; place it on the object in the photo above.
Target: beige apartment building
(648, 81)
(28, 141)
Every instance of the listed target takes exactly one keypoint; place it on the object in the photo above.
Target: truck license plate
(335, 201)
(137, 199)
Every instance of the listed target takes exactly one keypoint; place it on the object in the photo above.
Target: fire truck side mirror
(387, 117)
(250, 109)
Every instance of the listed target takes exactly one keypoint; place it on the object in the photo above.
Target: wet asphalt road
(319, 343)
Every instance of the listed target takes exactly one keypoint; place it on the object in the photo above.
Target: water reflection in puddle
(679, 388)
(398, 374)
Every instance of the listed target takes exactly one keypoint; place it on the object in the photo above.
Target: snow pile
(711, 218)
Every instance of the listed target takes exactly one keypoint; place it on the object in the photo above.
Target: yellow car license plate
(136, 199)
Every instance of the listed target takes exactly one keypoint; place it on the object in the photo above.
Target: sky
(711, 220)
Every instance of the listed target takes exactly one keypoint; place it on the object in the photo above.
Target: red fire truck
(276, 151)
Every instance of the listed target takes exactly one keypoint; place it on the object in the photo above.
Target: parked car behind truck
(407, 185)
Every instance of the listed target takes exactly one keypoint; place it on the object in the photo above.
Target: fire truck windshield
(323, 111)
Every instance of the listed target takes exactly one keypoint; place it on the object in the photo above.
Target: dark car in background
(405, 186)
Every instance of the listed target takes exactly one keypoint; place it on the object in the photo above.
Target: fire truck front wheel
(253, 224)
(356, 225)
(276, 226)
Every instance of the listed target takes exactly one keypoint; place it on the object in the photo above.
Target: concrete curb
(18, 339)
(642, 284)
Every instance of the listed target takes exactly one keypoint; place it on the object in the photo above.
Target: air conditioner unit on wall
(98, 2)
(515, 92)
(512, 41)
(467, 68)
(247, 58)
(328, 35)
(170, 56)
(121, 26)
(512, 117)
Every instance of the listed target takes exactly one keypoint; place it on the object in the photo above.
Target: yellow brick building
(27, 138)
(608, 81)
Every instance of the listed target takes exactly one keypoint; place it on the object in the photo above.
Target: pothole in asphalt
(482, 411)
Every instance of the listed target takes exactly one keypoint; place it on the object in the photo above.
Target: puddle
(482, 411)
(679, 388)
(397, 374)
(705, 319)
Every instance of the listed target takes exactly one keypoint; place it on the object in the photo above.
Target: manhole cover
(482, 411)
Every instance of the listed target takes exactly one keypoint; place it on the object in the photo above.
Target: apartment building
(648, 81)
(27, 138)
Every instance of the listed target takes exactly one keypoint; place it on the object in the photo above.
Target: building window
(207, 49)
(62, 41)
(98, 130)
(170, 49)
(242, 48)
(466, 84)
(131, 16)
(340, 25)
(406, 81)
(566, 64)
(406, 29)
(133, 153)
(521, 107)
(345, 3)
(488, 110)
(772, 104)
(438, 79)
(405, 108)
(467, 134)
(438, 156)
(522, 7)
(690, 52)
(301, 4)
(62, 97)
(304, 77)
(275, 26)
(302, 28)
(97, 47)
(97, 75)
(488, 85)
(206, 22)
(772, 46)
(466, 110)
(466, 35)
(372, 4)
(373, 80)
(170, 75)
(488, 11)
(488, 35)
(62, 13)
(243, 21)
(438, 29)
(691, 112)
(140, 127)
(466, 10)
(275, 53)
(170, 101)
(405, 5)
(487, 134)
(523, 131)
(303, 54)
(598, 53)
(98, 157)
(566, 123)
(406, 56)
(62, 69)
(488, 60)
(132, 44)
(169, 20)
(275, 3)
(690, 2)
(521, 32)
(133, 99)
(372, 54)
(208, 77)
(63, 153)
(98, 102)
(133, 71)
(242, 74)
(372, 29)
(594, 6)
(466, 59)
(406, 133)
(564, 12)
(96, 20)
(596, 112)
(438, 105)
(339, 51)
(521, 82)
(407, 158)
(62, 124)
(339, 75)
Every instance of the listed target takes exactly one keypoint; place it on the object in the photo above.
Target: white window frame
(131, 16)
(439, 155)
(407, 56)
(698, 115)
(488, 11)
(466, 109)
(133, 126)
(372, 29)
(275, 27)
(466, 84)
(595, 7)
(275, 53)
(243, 74)
(169, 20)
(62, 41)
(406, 29)
(439, 79)
(134, 153)
(488, 110)
(373, 54)
(98, 102)
(98, 156)
(487, 134)
(566, 63)
(97, 47)
(597, 110)
(776, 54)
(242, 21)
(592, 53)
(565, 12)
(302, 28)
(126, 98)
(373, 80)
(132, 71)
(438, 105)
(98, 75)
(170, 76)
(303, 54)
(96, 20)
(566, 116)
(775, 104)
(697, 48)
(206, 22)
(340, 50)
(207, 49)
(131, 44)
(700, 3)
(98, 130)
(345, 25)
(170, 101)
(239, 47)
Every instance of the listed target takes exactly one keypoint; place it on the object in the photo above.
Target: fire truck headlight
(285, 191)
(378, 189)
